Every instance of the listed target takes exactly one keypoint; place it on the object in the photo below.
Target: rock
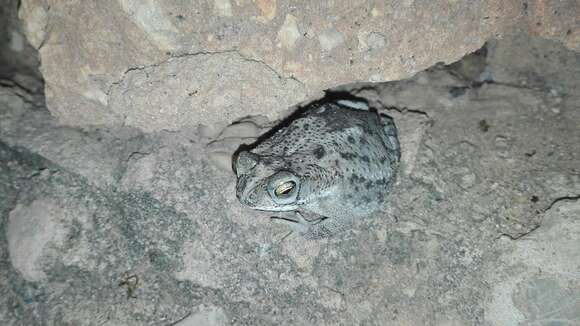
(223, 8)
(267, 10)
(34, 16)
(376, 41)
(538, 280)
(289, 33)
(243, 129)
(113, 224)
(158, 26)
(30, 230)
(210, 316)
(187, 90)
(330, 38)
(222, 160)
(404, 37)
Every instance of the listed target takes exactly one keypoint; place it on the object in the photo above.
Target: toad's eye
(285, 188)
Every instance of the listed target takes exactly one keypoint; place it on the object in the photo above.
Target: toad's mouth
(276, 209)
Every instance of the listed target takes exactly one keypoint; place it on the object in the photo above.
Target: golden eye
(285, 188)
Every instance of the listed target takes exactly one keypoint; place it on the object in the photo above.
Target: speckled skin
(342, 159)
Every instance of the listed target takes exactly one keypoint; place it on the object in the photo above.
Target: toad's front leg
(313, 226)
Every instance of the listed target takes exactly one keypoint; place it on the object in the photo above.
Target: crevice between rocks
(560, 199)
(404, 110)
(539, 224)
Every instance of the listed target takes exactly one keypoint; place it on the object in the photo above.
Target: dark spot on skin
(369, 184)
(535, 199)
(365, 129)
(381, 182)
(337, 163)
(383, 159)
(350, 139)
(347, 156)
(353, 179)
(310, 170)
(365, 158)
(363, 141)
(319, 152)
(483, 125)
(530, 154)
(366, 199)
(306, 126)
(356, 179)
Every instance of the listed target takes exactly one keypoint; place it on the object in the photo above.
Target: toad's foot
(318, 227)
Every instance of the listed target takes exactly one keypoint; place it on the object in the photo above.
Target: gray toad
(335, 162)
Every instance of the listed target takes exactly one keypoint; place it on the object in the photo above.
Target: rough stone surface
(113, 226)
(189, 90)
(18, 59)
(87, 48)
(537, 281)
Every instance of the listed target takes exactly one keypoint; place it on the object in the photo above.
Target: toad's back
(338, 161)
(350, 154)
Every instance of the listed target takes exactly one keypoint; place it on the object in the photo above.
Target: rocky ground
(117, 201)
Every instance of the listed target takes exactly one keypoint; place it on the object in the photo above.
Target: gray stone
(330, 38)
(188, 90)
(537, 279)
(289, 33)
(376, 41)
(114, 225)
(100, 41)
